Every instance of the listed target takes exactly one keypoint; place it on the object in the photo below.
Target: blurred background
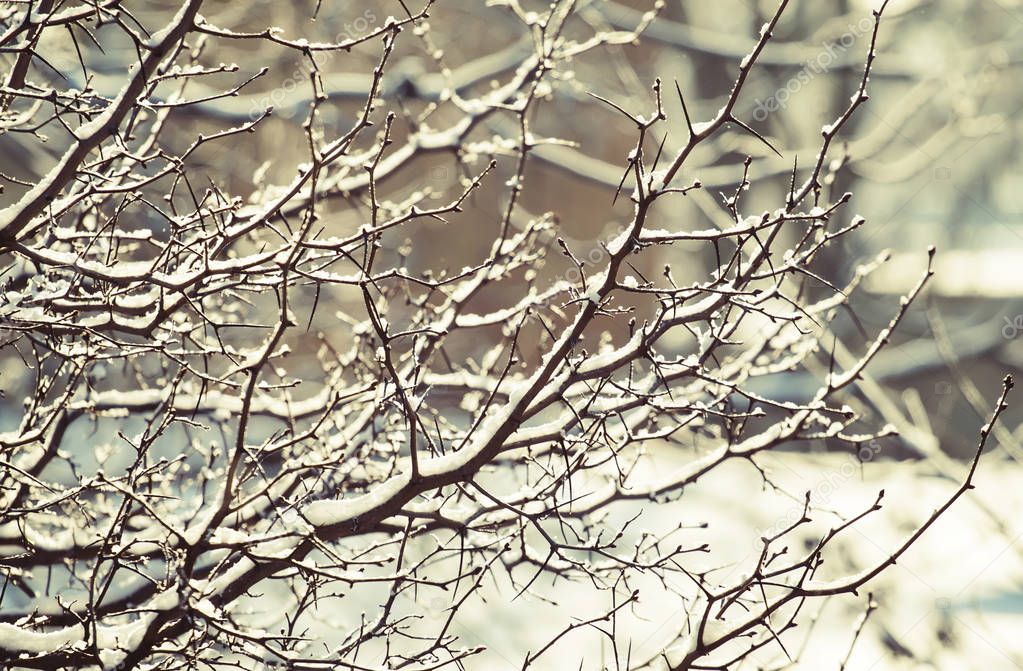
(933, 159)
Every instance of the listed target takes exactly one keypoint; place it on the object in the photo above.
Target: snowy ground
(954, 601)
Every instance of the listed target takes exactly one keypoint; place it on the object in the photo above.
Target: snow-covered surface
(115, 640)
(326, 512)
(988, 273)
(963, 575)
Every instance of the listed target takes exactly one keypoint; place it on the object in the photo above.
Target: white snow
(618, 242)
(609, 358)
(16, 639)
(329, 512)
(125, 637)
(700, 127)
(595, 285)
